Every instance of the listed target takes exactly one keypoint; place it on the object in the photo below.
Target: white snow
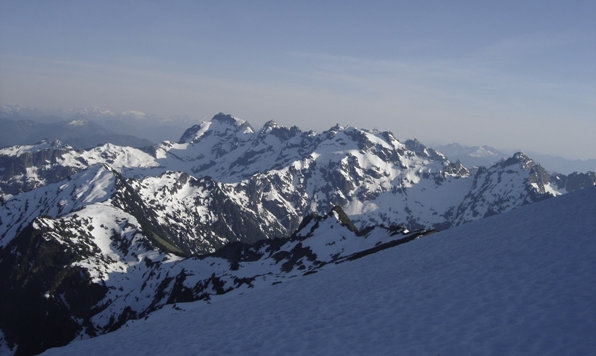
(135, 113)
(204, 127)
(483, 152)
(552, 190)
(77, 123)
(96, 184)
(19, 150)
(117, 157)
(106, 222)
(522, 282)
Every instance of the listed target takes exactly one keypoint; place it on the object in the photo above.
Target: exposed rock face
(574, 181)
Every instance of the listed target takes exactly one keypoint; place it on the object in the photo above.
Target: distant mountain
(92, 238)
(131, 123)
(518, 283)
(80, 134)
(472, 156)
(562, 165)
(486, 156)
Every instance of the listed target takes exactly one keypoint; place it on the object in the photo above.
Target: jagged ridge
(226, 182)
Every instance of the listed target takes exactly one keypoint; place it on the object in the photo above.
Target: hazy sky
(511, 74)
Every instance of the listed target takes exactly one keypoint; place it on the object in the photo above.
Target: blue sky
(511, 74)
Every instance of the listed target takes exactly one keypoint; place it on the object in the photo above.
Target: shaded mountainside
(81, 134)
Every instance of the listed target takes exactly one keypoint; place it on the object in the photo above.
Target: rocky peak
(226, 119)
(269, 126)
(334, 130)
(537, 174)
(574, 181)
(421, 150)
(228, 122)
(340, 215)
(520, 158)
(221, 125)
(282, 133)
(43, 145)
(313, 222)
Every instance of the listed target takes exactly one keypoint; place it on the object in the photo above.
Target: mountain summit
(220, 125)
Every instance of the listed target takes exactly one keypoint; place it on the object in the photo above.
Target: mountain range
(90, 239)
(485, 156)
(84, 128)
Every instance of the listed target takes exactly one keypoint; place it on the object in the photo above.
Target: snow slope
(522, 282)
(95, 184)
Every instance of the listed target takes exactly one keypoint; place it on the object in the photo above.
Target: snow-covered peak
(195, 132)
(483, 152)
(334, 130)
(93, 185)
(423, 151)
(228, 119)
(520, 158)
(94, 111)
(228, 149)
(502, 186)
(472, 156)
(220, 125)
(223, 123)
(135, 113)
(78, 123)
(269, 126)
(19, 150)
(119, 158)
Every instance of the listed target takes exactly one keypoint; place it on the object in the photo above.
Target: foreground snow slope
(520, 282)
